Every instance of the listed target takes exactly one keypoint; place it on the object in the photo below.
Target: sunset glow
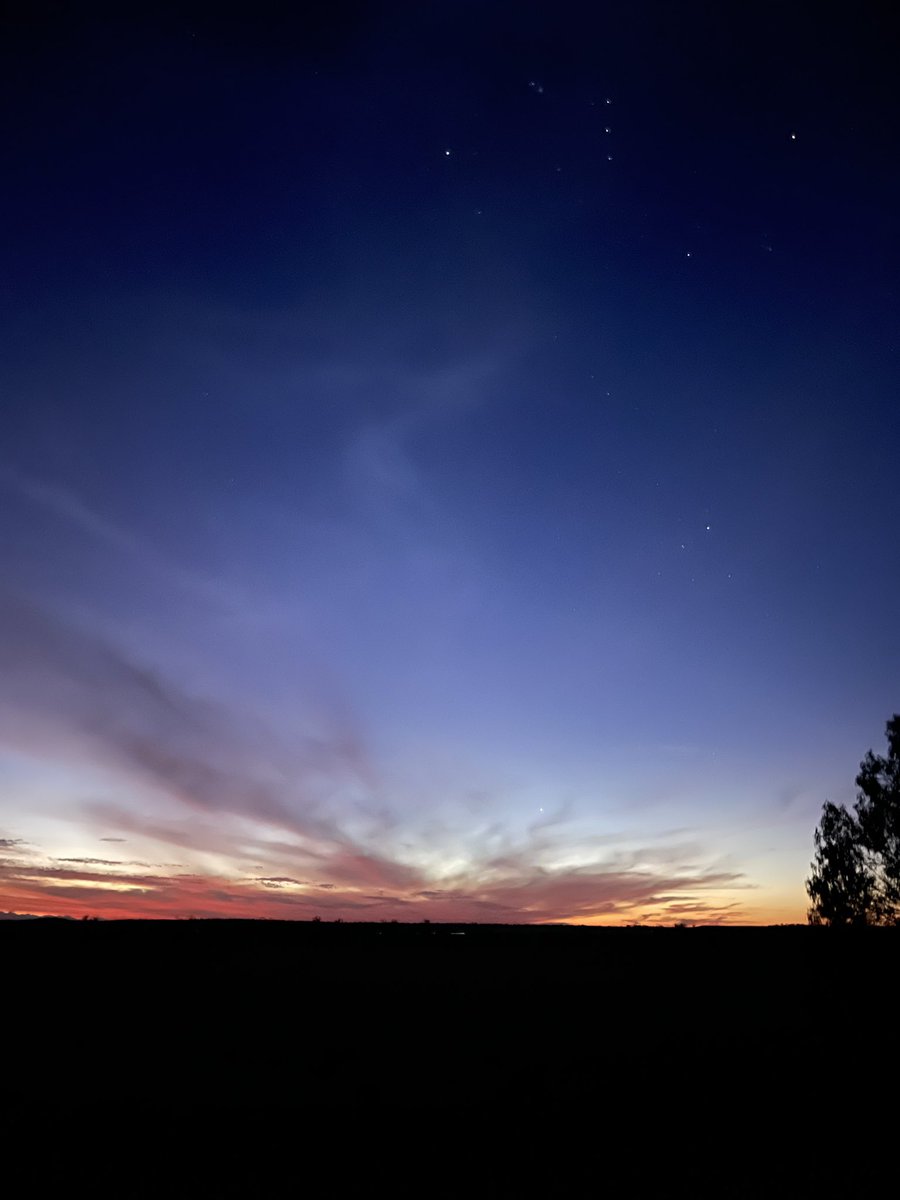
(448, 461)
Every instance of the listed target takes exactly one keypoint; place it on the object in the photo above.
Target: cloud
(93, 862)
(70, 508)
(258, 821)
(788, 795)
(67, 887)
(66, 506)
(378, 459)
(59, 681)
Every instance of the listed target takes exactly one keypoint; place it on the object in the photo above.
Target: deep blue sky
(448, 454)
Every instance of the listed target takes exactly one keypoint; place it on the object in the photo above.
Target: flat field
(783, 1038)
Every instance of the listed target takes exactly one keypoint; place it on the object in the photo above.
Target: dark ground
(775, 1048)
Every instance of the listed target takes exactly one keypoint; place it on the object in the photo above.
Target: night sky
(448, 455)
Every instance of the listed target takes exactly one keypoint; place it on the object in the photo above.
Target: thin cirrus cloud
(60, 681)
(584, 896)
(292, 832)
(65, 506)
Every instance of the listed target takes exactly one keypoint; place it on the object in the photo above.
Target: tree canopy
(855, 876)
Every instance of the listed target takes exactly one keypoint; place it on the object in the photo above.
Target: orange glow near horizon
(92, 894)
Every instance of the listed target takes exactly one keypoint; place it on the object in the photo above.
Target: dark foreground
(777, 1042)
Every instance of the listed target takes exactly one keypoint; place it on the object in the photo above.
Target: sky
(448, 455)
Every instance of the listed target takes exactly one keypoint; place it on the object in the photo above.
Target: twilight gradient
(419, 502)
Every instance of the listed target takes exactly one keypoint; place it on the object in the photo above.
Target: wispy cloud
(379, 456)
(63, 503)
(69, 508)
(369, 890)
(64, 680)
(292, 829)
(93, 862)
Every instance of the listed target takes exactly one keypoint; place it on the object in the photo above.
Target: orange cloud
(380, 891)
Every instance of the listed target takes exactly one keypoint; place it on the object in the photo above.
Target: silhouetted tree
(878, 813)
(840, 887)
(855, 876)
